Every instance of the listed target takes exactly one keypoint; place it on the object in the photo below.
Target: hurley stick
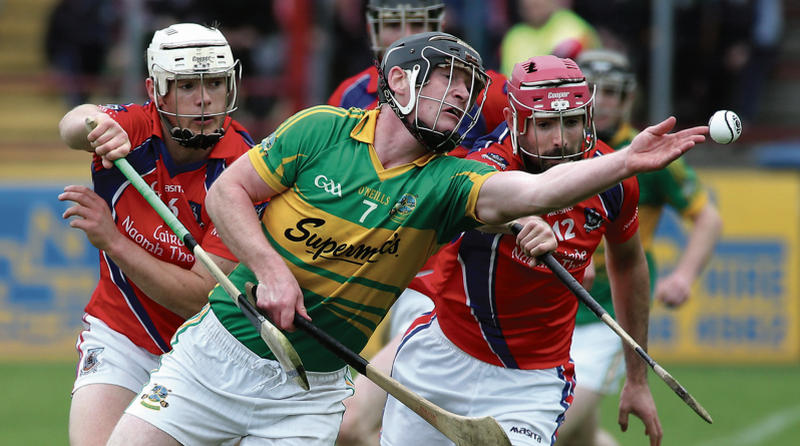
(578, 290)
(463, 431)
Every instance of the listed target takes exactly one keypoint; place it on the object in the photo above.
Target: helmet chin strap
(191, 140)
(433, 141)
(437, 142)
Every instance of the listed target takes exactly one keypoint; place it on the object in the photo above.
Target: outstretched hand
(92, 216)
(654, 148)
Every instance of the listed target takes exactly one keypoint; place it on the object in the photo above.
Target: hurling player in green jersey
(358, 201)
(596, 350)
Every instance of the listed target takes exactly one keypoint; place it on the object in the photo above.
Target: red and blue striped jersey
(495, 307)
(116, 300)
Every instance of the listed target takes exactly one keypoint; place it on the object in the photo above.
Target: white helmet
(192, 51)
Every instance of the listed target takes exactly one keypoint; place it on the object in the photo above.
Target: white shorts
(528, 404)
(210, 390)
(597, 353)
(106, 356)
(409, 306)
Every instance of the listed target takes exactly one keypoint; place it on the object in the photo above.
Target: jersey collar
(364, 132)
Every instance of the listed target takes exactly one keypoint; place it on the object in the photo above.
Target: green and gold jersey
(675, 186)
(353, 233)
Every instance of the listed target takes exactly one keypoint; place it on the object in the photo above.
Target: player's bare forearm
(630, 291)
(538, 194)
(675, 289)
(509, 195)
(230, 205)
(703, 237)
(182, 291)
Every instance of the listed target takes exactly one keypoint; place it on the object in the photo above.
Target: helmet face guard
(419, 55)
(195, 53)
(384, 14)
(547, 87)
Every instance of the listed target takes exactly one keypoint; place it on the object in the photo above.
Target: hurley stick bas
(276, 341)
(580, 292)
(463, 431)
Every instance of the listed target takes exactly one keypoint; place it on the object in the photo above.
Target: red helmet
(549, 87)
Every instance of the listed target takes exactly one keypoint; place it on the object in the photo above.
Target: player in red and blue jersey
(179, 141)
(596, 349)
(502, 328)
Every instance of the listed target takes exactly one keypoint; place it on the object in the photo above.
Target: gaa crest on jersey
(92, 361)
(593, 219)
(156, 398)
(267, 142)
(404, 206)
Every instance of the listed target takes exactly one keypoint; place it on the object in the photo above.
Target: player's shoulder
(494, 148)
(139, 121)
(323, 115)
(500, 136)
(130, 112)
(321, 123)
(237, 140)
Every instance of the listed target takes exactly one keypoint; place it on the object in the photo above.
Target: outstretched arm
(230, 205)
(673, 290)
(569, 183)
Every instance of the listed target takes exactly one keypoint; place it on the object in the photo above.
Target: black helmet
(418, 55)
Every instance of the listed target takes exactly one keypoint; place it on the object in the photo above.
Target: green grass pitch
(751, 405)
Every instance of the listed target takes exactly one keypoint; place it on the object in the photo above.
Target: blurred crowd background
(692, 56)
